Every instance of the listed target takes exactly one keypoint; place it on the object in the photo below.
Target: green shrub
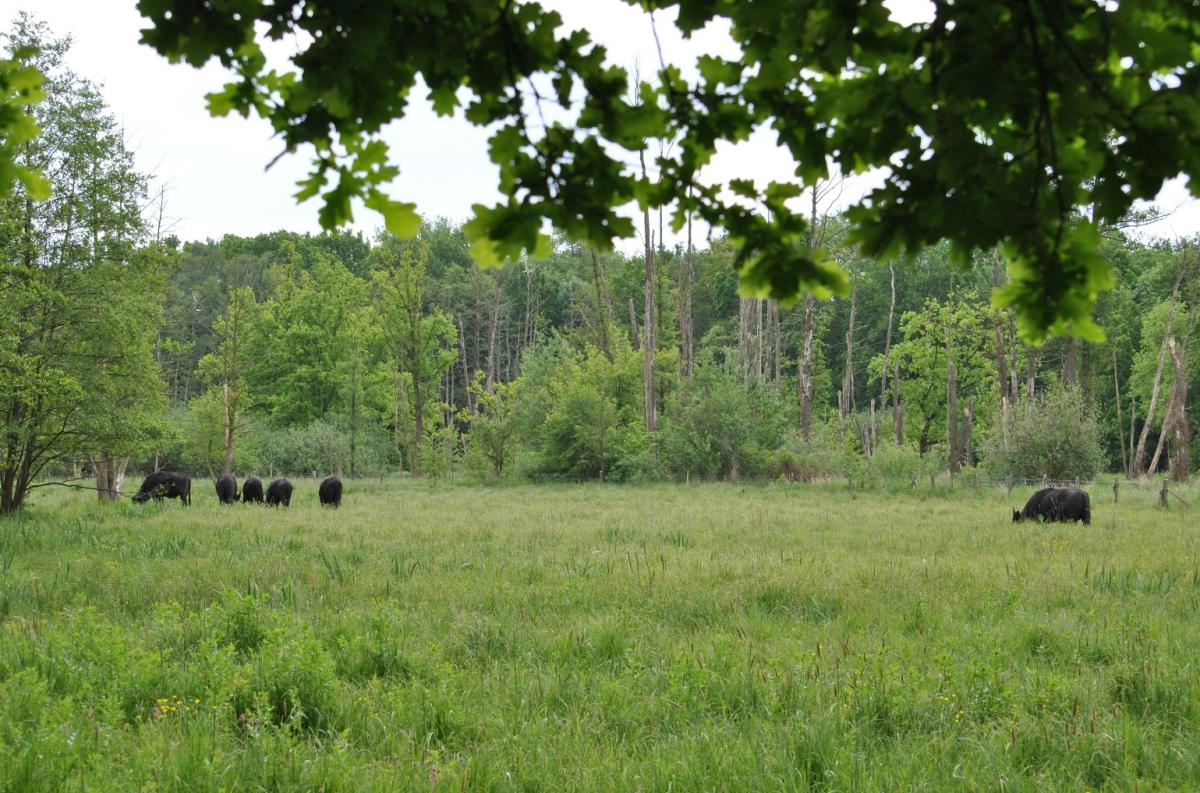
(324, 446)
(1057, 437)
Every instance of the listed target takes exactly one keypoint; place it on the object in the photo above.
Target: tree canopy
(998, 122)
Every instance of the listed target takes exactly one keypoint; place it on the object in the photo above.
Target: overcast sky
(214, 168)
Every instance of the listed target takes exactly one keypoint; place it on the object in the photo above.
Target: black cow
(279, 492)
(227, 490)
(330, 492)
(1065, 504)
(252, 491)
(165, 484)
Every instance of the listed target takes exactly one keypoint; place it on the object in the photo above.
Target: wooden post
(1162, 494)
(1116, 488)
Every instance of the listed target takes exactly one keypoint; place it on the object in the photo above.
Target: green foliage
(956, 327)
(80, 299)
(593, 426)
(994, 121)
(326, 346)
(1056, 437)
(493, 441)
(202, 438)
(20, 89)
(900, 466)
(721, 426)
(321, 447)
(421, 346)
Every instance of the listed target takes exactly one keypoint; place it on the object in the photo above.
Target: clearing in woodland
(582, 637)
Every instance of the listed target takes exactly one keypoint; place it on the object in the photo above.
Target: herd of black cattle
(1064, 504)
(168, 484)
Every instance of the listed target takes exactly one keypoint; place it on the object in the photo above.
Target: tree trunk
(1030, 380)
(604, 308)
(1120, 422)
(887, 343)
(686, 275)
(649, 345)
(230, 417)
(1070, 374)
(1014, 351)
(635, 336)
(804, 372)
(493, 322)
(1001, 347)
(462, 357)
(1180, 431)
(966, 447)
(952, 412)
(848, 405)
(777, 337)
(1132, 431)
(897, 407)
(1166, 428)
(354, 414)
(1139, 457)
(759, 341)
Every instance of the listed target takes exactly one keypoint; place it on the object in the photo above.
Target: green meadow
(431, 636)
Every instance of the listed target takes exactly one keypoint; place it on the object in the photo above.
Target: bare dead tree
(1120, 421)
(687, 274)
(1139, 457)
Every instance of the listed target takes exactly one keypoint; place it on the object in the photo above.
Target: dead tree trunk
(745, 338)
(649, 346)
(686, 275)
(1120, 422)
(952, 411)
(493, 324)
(110, 475)
(634, 334)
(604, 309)
(1070, 373)
(1177, 417)
(887, 343)
(897, 406)
(848, 376)
(1139, 457)
(804, 372)
(1030, 380)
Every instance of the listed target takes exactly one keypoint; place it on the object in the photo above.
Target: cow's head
(1016, 516)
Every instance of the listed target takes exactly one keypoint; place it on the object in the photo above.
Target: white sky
(214, 168)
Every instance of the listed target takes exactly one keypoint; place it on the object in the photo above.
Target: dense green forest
(124, 348)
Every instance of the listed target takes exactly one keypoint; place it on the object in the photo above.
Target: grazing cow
(1066, 504)
(227, 490)
(165, 484)
(330, 492)
(279, 492)
(252, 491)
(1034, 506)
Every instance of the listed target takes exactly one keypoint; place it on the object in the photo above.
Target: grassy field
(708, 637)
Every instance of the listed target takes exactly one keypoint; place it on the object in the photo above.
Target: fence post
(1162, 494)
(1116, 486)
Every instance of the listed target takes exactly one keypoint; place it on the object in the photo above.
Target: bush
(719, 426)
(323, 447)
(1058, 438)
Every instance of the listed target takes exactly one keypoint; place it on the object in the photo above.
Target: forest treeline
(124, 349)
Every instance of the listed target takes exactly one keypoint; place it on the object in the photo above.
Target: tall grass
(711, 637)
